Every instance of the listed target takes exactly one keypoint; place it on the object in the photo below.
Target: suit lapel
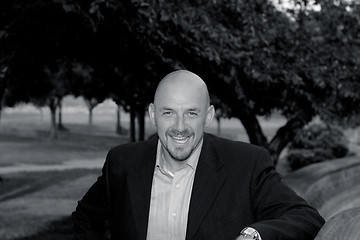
(209, 178)
(139, 183)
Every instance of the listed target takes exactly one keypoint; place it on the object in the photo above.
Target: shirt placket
(176, 206)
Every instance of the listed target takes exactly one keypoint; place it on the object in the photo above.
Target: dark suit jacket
(235, 186)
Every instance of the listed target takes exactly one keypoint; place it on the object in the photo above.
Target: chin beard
(179, 154)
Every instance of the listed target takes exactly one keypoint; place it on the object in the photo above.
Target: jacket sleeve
(280, 212)
(91, 217)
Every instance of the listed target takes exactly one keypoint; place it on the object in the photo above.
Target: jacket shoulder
(131, 152)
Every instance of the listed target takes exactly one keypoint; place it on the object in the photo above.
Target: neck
(171, 164)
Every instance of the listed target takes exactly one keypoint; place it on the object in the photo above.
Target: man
(187, 184)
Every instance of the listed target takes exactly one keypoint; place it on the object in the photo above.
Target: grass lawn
(31, 201)
(50, 190)
(18, 184)
(57, 230)
(27, 144)
(37, 204)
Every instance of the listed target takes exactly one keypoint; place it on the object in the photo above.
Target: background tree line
(255, 58)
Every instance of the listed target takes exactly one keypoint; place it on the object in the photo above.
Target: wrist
(250, 233)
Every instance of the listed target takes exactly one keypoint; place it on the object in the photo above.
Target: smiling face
(180, 112)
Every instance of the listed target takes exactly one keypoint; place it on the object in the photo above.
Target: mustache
(176, 133)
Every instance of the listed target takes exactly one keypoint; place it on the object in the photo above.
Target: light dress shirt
(170, 198)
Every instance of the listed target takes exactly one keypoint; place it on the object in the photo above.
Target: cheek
(162, 126)
(197, 126)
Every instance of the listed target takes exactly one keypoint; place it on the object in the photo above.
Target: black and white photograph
(179, 120)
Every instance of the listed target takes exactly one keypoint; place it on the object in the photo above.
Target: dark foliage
(316, 143)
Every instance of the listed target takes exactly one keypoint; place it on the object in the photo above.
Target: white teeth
(181, 140)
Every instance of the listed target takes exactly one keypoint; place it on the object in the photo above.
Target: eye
(167, 113)
(192, 114)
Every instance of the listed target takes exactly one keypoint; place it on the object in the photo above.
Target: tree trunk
(90, 116)
(91, 104)
(2, 98)
(3, 89)
(59, 114)
(118, 120)
(132, 124)
(253, 128)
(60, 125)
(53, 128)
(0, 111)
(283, 136)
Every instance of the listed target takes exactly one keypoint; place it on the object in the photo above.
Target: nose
(180, 124)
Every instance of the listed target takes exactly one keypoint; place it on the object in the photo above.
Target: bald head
(182, 82)
(181, 111)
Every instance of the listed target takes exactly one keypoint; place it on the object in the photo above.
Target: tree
(254, 58)
(41, 40)
(2, 87)
(88, 84)
(59, 89)
(126, 67)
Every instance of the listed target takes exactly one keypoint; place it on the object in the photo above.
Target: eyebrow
(193, 109)
(165, 109)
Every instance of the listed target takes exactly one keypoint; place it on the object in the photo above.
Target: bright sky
(283, 5)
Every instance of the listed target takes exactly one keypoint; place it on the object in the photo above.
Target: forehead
(183, 101)
(181, 91)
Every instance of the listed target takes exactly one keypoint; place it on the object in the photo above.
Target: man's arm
(280, 212)
(90, 219)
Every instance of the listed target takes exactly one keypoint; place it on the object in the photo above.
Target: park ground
(42, 179)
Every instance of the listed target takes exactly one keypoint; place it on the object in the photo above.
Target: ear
(151, 111)
(210, 115)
